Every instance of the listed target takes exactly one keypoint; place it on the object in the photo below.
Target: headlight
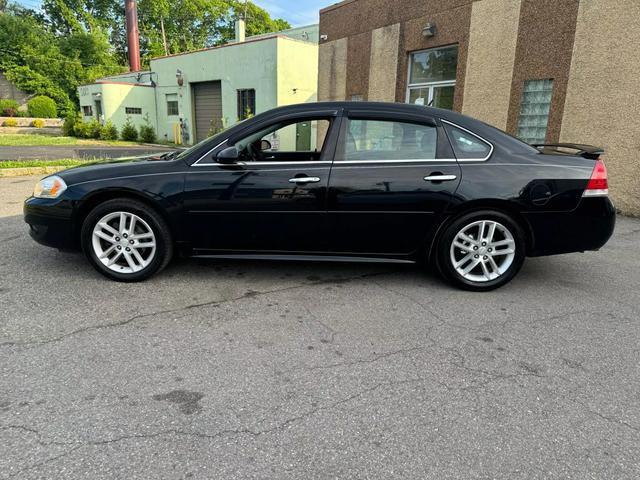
(50, 187)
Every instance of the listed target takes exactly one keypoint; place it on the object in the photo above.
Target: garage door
(207, 101)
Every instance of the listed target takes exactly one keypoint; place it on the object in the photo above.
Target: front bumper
(51, 222)
(588, 227)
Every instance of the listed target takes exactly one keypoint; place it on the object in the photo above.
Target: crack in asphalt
(202, 435)
(135, 318)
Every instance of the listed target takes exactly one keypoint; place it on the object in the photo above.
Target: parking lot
(293, 370)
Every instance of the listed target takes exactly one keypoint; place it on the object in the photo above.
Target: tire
(490, 264)
(120, 253)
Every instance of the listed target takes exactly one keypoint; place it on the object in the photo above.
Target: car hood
(119, 167)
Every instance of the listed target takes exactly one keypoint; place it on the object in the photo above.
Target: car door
(273, 198)
(392, 178)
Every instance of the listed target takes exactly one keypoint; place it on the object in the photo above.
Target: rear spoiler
(586, 151)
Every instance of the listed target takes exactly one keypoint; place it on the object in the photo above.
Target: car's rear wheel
(481, 250)
(126, 240)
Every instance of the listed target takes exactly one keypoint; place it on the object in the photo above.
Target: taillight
(598, 185)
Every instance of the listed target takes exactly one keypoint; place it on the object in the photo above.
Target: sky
(296, 12)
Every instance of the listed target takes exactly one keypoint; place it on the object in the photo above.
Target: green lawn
(27, 140)
(65, 162)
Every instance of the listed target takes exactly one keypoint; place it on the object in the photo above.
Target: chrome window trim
(491, 147)
(409, 160)
(197, 162)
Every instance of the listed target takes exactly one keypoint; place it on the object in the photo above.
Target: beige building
(543, 70)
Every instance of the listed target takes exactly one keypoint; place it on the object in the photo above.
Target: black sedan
(339, 182)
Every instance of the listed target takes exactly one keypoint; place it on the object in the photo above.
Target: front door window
(432, 77)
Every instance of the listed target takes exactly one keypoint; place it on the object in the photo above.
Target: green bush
(38, 123)
(10, 122)
(42, 107)
(94, 128)
(22, 114)
(81, 129)
(129, 132)
(147, 133)
(69, 122)
(109, 131)
(8, 108)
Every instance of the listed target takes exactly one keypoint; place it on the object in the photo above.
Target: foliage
(8, 108)
(188, 24)
(73, 42)
(42, 107)
(69, 121)
(10, 122)
(147, 133)
(129, 131)
(38, 123)
(64, 162)
(37, 60)
(38, 139)
(217, 126)
(109, 131)
(81, 129)
(94, 128)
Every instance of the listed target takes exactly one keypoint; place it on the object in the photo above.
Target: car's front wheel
(481, 250)
(126, 240)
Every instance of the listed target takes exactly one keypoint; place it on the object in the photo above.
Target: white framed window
(432, 77)
(133, 110)
(534, 110)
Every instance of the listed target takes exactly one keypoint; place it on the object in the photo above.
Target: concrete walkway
(54, 152)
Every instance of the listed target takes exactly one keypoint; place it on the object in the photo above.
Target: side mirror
(227, 156)
(265, 145)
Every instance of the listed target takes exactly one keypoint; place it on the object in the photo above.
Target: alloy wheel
(123, 242)
(482, 251)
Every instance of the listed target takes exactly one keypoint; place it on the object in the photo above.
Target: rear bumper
(50, 222)
(588, 227)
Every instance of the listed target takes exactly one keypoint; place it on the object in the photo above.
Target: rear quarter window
(466, 145)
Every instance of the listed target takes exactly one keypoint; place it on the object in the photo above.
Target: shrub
(22, 114)
(8, 108)
(94, 128)
(38, 123)
(81, 129)
(69, 122)
(10, 122)
(147, 133)
(109, 131)
(42, 107)
(129, 132)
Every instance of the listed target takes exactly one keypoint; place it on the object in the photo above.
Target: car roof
(390, 107)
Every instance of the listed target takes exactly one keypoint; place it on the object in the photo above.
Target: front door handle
(439, 178)
(304, 180)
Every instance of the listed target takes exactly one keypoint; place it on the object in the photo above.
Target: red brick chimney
(133, 36)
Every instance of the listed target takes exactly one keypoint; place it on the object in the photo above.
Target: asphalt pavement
(292, 370)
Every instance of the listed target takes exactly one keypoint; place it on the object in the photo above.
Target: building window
(432, 77)
(357, 98)
(133, 110)
(172, 105)
(87, 111)
(534, 110)
(246, 103)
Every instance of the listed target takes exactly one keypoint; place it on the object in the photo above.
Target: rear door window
(386, 140)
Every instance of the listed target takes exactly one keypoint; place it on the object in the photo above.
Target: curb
(25, 171)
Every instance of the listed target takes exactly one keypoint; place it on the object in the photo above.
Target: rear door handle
(304, 180)
(440, 178)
